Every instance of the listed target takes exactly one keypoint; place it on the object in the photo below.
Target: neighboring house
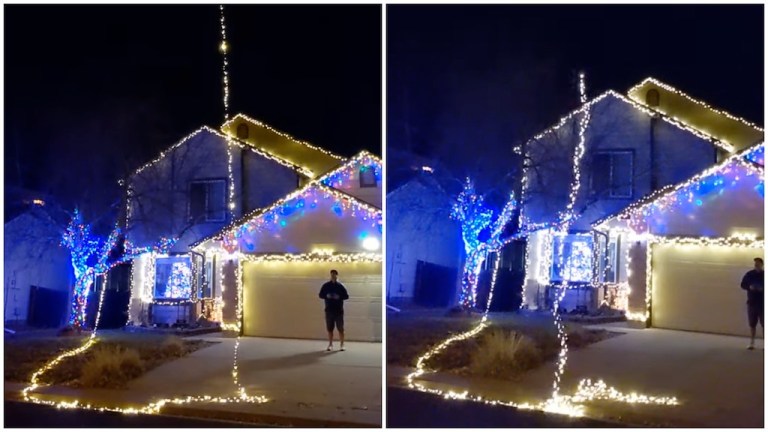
(185, 193)
(274, 260)
(634, 145)
(37, 270)
(424, 246)
(682, 251)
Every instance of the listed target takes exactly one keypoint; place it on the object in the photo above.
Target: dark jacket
(334, 295)
(753, 277)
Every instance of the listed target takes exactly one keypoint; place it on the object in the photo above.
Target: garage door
(281, 299)
(697, 288)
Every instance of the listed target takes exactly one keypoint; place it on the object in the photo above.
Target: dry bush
(503, 354)
(173, 346)
(111, 366)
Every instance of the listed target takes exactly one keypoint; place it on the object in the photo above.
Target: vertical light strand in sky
(224, 49)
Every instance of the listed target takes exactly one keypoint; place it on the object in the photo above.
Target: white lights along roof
(737, 158)
(258, 213)
(696, 101)
(642, 108)
(358, 158)
(230, 141)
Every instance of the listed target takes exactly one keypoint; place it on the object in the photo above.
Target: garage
(697, 288)
(280, 299)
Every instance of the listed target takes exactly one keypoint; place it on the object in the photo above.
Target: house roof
(258, 213)
(738, 132)
(312, 159)
(738, 158)
(232, 141)
(363, 155)
(642, 108)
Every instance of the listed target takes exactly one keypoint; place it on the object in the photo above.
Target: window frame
(175, 258)
(206, 218)
(609, 193)
(364, 185)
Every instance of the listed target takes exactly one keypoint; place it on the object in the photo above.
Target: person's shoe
(751, 347)
(330, 347)
(342, 348)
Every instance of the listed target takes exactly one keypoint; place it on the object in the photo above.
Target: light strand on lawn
(151, 408)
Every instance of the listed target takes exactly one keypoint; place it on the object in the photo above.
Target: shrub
(173, 346)
(111, 366)
(504, 354)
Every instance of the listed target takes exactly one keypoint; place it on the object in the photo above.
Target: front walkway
(301, 379)
(718, 381)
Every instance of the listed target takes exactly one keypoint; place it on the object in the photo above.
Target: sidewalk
(306, 385)
(718, 382)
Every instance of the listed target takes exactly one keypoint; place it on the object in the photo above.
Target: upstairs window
(367, 176)
(612, 174)
(208, 201)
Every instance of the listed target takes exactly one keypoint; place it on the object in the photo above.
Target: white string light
(227, 128)
(586, 391)
(696, 101)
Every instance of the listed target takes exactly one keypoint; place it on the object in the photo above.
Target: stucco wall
(160, 206)
(32, 256)
(614, 124)
(419, 228)
(371, 195)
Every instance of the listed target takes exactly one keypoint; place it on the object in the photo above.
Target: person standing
(753, 283)
(334, 294)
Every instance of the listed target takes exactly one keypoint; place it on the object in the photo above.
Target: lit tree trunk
(470, 276)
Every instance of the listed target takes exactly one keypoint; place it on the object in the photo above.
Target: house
(636, 144)
(273, 261)
(683, 250)
(185, 194)
(38, 272)
(424, 246)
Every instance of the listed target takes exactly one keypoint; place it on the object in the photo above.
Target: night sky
(115, 85)
(475, 79)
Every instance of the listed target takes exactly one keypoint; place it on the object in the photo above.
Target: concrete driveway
(718, 381)
(306, 385)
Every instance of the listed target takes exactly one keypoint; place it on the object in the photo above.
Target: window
(612, 174)
(572, 258)
(367, 176)
(173, 278)
(208, 201)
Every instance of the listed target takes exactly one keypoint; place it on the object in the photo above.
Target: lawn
(115, 359)
(511, 345)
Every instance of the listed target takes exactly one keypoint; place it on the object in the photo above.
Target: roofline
(229, 140)
(258, 212)
(696, 101)
(668, 190)
(282, 134)
(649, 111)
(348, 162)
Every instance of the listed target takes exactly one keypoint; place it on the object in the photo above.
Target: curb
(239, 417)
(607, 423)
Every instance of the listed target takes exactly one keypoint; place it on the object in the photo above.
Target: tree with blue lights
(92, 256)
(481, 232)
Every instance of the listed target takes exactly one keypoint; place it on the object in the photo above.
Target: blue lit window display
(572, 258)
(173, 278)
